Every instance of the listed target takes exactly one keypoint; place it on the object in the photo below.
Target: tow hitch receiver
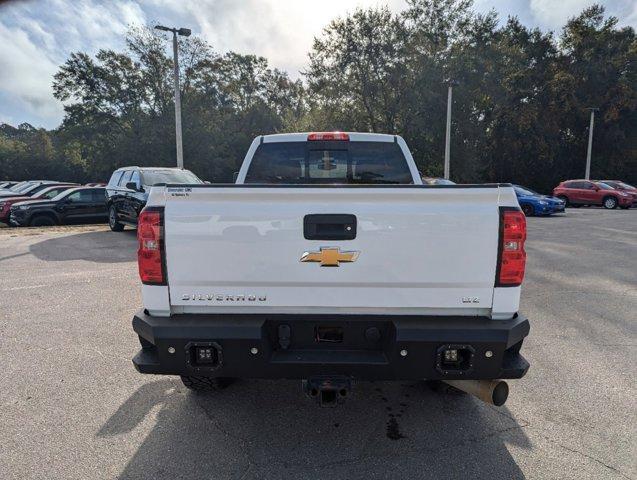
(328, 391)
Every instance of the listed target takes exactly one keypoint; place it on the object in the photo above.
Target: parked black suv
(128, 189)
(77, 205)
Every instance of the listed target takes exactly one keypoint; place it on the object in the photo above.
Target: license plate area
(328, 334)
(325, 334)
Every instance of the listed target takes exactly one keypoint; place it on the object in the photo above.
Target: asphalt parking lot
(72, 406)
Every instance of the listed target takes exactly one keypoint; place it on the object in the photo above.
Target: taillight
(512, 258)
(317, 136)
(150, 252)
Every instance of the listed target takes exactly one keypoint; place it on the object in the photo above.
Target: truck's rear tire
(205, 384)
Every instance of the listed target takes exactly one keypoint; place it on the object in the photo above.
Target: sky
(36, 36)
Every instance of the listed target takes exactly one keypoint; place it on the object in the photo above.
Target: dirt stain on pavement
(393, 430)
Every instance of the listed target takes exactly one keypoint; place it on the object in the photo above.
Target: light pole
(450, 83)
(590, 143)
(184, 32)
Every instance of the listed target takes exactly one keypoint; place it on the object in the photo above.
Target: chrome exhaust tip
(493, 392)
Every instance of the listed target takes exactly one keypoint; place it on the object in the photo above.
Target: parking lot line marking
(12, 289)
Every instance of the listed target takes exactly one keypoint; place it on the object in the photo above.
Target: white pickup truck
(329, 261)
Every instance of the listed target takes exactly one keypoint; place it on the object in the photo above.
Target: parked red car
(45, 194)
(624, 187)
(587, 192)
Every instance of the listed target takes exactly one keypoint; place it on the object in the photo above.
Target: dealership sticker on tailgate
(179, 191)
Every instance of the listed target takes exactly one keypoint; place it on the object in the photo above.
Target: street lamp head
(184, 32)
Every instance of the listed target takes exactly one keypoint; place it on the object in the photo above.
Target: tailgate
(416, 250)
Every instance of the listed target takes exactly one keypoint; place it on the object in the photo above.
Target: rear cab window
(329, 162)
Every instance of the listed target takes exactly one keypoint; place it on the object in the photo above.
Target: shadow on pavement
(268, 429)
(99, 247)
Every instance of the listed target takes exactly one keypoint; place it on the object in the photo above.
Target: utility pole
(590, 143)
(185, 32)
(450, 84)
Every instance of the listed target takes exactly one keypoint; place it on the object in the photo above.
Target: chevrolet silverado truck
(330, 262)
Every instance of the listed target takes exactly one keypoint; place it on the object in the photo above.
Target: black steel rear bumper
(370, 347)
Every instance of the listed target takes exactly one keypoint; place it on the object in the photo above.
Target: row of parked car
(47, 202)
(35, 203)
(609, 194)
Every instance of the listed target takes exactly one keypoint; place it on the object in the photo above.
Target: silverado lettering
(224, 298)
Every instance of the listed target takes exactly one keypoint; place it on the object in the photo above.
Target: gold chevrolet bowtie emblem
(330, 256)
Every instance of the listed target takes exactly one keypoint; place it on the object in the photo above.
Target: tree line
(520, 101)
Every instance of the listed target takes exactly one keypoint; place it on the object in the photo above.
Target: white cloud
(280, 30)
(554, 13)
(27, 72)
(6, 119)
(89, 25)
(631, 16)
(36, 36)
